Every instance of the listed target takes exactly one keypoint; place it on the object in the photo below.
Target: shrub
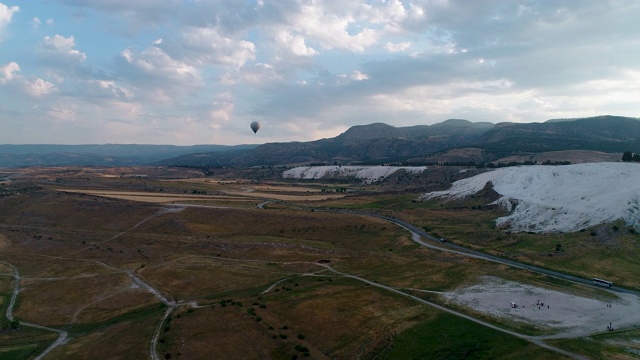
(283, 336)
(593, 233)
(301, 336)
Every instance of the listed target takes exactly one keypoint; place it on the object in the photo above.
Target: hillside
(602, 133)
(558, 198)
(363, 144)
(419, 145)
(372, 144)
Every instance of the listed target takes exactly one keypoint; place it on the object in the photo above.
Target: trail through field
(16, 289)
(533, 339)
(149, 288)
(154, 341)
(292, 277)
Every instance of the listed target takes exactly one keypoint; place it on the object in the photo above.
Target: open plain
(169, 263)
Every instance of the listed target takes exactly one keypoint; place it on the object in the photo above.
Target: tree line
(627, 156)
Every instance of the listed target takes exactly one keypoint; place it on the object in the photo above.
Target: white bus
(601, 282)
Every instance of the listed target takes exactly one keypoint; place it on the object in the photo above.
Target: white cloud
(206, 45)
(63, 45)
(158, 77)
(358, 76)
(39, 87)
(154, 61)
(403, 46)
(295, 44)
(36, 22)
(8, 72)
(6, 13)
(333, 27)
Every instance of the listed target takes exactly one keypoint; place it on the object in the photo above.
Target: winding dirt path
(16, 289)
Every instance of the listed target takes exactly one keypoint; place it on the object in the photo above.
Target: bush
(283, 336)
(615, 228)
(301, 336)
(593, 233)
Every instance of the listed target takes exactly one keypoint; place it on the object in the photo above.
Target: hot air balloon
(255, 126)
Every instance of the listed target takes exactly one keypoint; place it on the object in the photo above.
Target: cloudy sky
(199, 71)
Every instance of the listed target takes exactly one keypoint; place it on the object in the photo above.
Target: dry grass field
(239, 268)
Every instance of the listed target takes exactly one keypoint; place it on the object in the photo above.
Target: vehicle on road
(601, 282)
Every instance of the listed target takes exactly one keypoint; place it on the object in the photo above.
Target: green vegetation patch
(450, 337)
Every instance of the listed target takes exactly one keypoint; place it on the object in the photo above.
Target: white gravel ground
(568, 315)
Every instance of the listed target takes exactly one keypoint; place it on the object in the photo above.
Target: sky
(187, 72)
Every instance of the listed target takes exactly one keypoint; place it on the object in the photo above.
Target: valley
(165, 263)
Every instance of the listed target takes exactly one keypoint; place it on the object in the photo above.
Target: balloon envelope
(255, 126)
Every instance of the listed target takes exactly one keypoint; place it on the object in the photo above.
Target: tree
(627, 156)
(636, 158)
(15, 323)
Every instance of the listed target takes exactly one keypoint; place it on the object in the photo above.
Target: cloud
(157, 76)
(208, 46)
(39, 87)
(182, 68)
(8, 72)
(6, 13)
(295, 44)
(65, 47)
(10, 76)
(403, 46)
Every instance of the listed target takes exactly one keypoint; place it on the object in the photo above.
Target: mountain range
(363, 144)
(385, 144)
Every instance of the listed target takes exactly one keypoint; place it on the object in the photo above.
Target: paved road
(477, 254)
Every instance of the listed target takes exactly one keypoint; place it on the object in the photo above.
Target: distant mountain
(368, 144)
(601, 133)
(100, 155)
(371, 144)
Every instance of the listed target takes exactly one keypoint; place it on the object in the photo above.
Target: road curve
(480, 255)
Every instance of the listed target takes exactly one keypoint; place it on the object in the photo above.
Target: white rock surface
(368, 174)
(559, 198)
